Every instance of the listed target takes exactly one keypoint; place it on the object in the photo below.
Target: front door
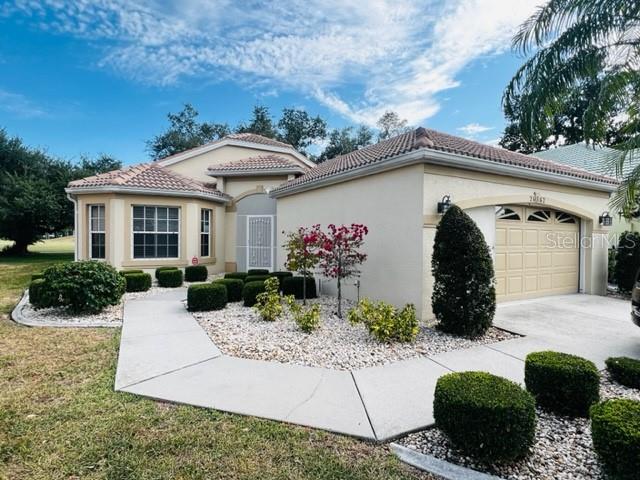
(260, 241)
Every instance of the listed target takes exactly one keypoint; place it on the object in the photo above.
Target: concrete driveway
(591, 326)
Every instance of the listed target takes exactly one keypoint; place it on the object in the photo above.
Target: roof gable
(258, 165)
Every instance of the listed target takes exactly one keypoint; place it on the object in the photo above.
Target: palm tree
(570, 42)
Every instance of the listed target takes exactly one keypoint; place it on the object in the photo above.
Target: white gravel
(563, 448)
(239, 331)
(109, 317)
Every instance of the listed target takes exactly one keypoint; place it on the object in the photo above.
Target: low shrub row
(234, 288)
(137, 282)
(624, 370)
(206, 296)
(196, 273)
(169, 277)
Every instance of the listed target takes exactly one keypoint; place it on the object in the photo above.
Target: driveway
(165, 354)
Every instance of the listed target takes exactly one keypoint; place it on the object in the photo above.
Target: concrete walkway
(165, 354)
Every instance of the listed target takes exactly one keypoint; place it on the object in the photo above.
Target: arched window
(506, 213)
(562, 217)
(539, 216)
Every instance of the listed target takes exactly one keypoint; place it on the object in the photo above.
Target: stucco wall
(390, 204)
(118, 214)
(471, 190)
(196, 167)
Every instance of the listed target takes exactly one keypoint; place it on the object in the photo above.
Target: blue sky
(98, 76)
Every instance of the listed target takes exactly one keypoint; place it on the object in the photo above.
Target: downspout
(73, 200)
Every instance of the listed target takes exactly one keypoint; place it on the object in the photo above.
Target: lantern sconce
(605, 219)
(444, 205)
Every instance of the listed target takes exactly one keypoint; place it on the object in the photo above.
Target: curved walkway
(165, 354)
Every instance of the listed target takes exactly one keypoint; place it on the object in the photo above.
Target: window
(504, 213)
(96, 231)
(562, 217)
(156, 232)
(539, 216)
(205, 232)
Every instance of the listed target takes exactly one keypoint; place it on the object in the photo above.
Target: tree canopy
(390, 124)
(570, 42)
(32, 197)
(346, 140)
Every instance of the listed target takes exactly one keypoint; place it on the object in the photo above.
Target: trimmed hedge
(488, 417)
(256, 278)
(624, 370)
(281, 276)
(250, 291)
(563, 383)
(615, 430)
(137, 282)
(206, 296)
(37, 276)
(170, 278)
(234, 288)
(258, 271)
(39, 294)
(129, 272)
(236, 275)
(293, 286)
(85, 286)
(196, 273)
(163, 269)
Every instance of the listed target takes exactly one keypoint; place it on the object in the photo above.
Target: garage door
(537, 252)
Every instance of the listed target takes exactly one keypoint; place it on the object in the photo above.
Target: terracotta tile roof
(147, 176)
(422, 138)
(242, 137)
(257, 164)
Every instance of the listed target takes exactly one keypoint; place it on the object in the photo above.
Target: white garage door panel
(536, 253)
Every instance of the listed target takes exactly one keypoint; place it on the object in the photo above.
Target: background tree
(572, 42)
(32, 198)
(464, 296)
(302, 253)
(345, 140)
(390, 124)
(627, 262)
(299, 129)
(185, 132)
(339, 253)
(565, 127)
(261, 123)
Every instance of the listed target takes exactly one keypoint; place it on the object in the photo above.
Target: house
(227, 205)
(597, 159)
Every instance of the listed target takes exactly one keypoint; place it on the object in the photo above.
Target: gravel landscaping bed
(51, 317)
(563, 448)
(337, 344)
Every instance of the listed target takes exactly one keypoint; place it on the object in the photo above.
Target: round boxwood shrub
(615, 430)
(464, 295)
(137, 282)
(488, 417)
(39, 294)
(563, 383)
(258, 271)
(129, 272)
(206, 296)
(162, 269)
(234, 288)
(85, 286)
(250, 291)
(627, 260)
(256, 278)
(237, 275)
(293, 286)
(196, 273)
(170, 278)
(624, 370)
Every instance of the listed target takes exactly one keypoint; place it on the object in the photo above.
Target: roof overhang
(148, 191)
(236, 143)
(254, 172)
(436, 157)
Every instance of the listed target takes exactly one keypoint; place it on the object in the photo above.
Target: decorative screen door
(260, 241)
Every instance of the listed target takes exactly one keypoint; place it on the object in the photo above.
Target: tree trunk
(19, 248)
(304, 287)
(339, 299)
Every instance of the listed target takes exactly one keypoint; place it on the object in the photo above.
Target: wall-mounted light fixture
(605, 219)
(444, 205)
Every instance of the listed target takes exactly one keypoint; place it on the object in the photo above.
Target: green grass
(61, 419)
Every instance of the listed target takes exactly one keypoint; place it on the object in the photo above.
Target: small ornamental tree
(339, 254)
(302, 253)
(464, 296)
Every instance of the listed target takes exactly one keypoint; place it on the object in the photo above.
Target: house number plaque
(534, 198)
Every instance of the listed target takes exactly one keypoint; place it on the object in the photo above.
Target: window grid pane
(154, 235)
(97, 235)
(205, 229)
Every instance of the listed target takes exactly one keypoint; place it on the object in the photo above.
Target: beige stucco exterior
(118, 227)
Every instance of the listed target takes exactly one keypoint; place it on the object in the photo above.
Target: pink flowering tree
(302, 253)
(340, 255)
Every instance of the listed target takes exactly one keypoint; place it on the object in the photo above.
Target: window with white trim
(205, 232)
(156, 232)
(97, 232)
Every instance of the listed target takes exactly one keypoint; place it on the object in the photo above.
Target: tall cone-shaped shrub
(464, 296)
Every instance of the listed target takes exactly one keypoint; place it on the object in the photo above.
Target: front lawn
(59, 417)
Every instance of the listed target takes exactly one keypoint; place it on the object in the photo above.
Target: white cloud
(357, 58)
(473, 129)
(19, 105)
